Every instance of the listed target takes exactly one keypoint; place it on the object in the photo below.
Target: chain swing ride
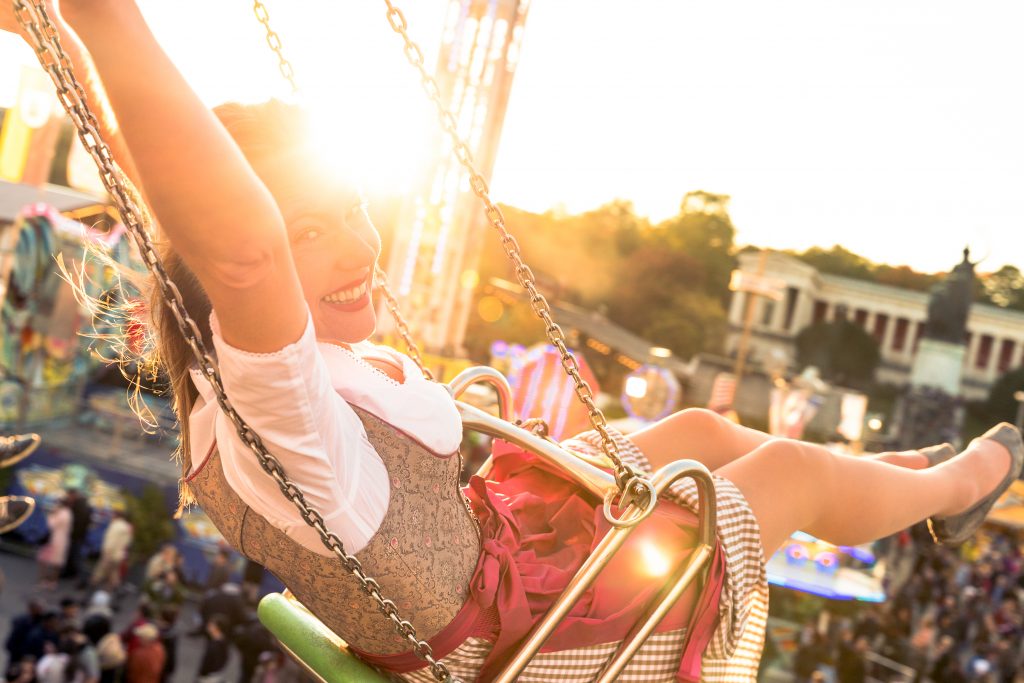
(299, 630)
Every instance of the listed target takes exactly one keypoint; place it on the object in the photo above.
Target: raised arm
(208, 201)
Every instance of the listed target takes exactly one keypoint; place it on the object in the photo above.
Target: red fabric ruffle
(537, 529)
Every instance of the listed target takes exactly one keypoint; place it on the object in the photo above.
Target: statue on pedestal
(950, 303)
(932, 408)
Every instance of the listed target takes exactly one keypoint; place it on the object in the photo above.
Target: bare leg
(709, 438)
(697, 434)
(848, 500)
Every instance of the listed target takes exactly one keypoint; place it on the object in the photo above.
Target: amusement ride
(609, 478)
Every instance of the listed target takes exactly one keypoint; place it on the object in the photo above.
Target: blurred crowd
(956, 619)
(113, 622)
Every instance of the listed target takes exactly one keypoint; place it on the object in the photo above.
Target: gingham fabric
(735, 648)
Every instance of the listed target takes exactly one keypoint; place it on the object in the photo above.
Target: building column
(885, 346)
(802, 312)
(972, 352)
(778, 315)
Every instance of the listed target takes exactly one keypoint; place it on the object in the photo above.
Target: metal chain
(380, 277)
(625, 475)
(274, 42)
(45, 40)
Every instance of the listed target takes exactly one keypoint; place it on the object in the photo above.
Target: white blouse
(297, 399)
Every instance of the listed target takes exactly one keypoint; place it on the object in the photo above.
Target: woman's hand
(8, 20)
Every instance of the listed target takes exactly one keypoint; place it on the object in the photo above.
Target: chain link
(380, 278)
(625, 475)
(274, 43)
(43, 36)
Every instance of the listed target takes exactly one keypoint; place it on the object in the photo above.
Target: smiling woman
(273, 264)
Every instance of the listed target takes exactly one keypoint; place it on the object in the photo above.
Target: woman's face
(335, 248)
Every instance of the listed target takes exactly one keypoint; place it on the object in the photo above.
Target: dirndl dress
(538, 527)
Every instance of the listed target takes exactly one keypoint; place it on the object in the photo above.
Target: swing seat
(324, 654)
(319, 650)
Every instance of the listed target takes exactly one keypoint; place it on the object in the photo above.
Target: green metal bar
(313, 645)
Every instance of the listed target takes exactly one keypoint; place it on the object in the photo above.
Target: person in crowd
(922, 640)
(166, 590)
(220, 569)
(166, 559)
(252, 640)
(53, 554)
(810, 654)
(70, 614)
(47, 633)
(86, 658)
(97, 628)
(22, 628)
(144, 614)
(167, 623)
(965, 626)
(226, 601)
(252, 577)
(851, 667)
(21, 672)
(277, 667)
(112, 656)
(216, 650)
(98, 606)
(81, 520)
(54, 665)
(113, 552)
(145, 663)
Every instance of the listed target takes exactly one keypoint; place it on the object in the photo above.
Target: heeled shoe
(956, 529)
(938, 454)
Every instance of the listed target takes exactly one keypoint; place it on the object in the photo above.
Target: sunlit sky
(893, 128)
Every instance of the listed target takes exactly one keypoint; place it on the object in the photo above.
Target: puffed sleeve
(287, 397)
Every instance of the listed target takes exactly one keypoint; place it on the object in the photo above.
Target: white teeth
(347, 296)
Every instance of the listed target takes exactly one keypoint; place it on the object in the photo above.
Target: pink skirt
(537, 529)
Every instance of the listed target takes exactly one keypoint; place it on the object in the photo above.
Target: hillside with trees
(667, 282)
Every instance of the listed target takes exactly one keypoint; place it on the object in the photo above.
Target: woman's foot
(994, 465)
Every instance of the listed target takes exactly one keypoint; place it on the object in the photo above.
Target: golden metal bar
(707, 513)
(658, 610)
(486, 375)
(586, 575)
(595, 480)
(598, 559)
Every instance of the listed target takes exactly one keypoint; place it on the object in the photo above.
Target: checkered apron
(734, 652)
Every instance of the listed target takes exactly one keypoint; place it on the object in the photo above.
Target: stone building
(894, 316)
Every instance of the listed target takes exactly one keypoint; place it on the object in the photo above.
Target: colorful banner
(542, 389)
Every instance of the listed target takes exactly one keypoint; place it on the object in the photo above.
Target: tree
(1001, 405)
(148, 515)
(1005, 287)
(843, 352)
(673, 287)
(838, 260)
(668, 283)
(704, 232)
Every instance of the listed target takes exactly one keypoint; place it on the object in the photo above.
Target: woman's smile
(350, 297)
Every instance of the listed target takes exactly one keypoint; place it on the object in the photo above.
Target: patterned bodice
(423, 555)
